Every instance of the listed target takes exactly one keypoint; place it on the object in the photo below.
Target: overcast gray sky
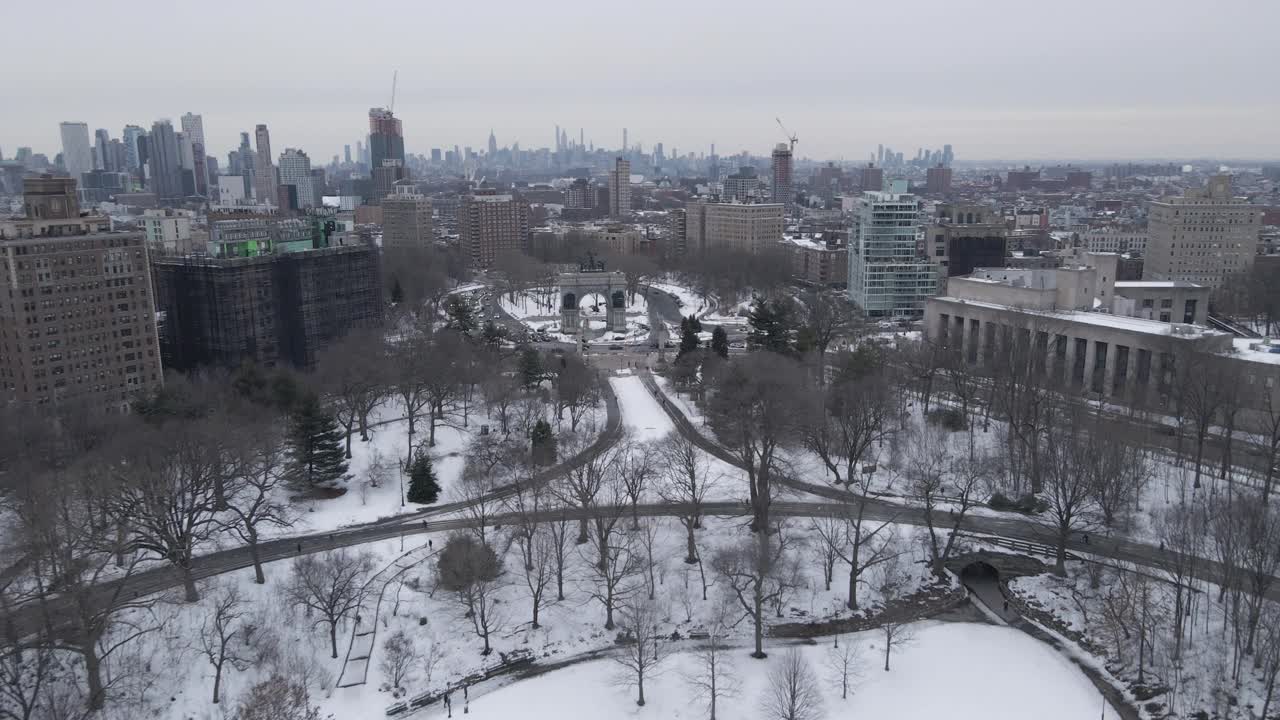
(1006, 79)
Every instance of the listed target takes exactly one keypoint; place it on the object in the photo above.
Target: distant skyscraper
(493, 143)
(101, 147)
(346, 154)
(132, 154)
(620, 187)
(295, 172)
(264, 172)
(947, 155)
(164, 158)
(246, 163)
(77, 153)
(782, 192)
(625, 147)
(938, 180)
(386, 138)
(193, 128)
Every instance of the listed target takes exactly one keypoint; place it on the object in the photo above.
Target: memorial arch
(574, 286)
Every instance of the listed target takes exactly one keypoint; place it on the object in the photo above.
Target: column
(1090, 359)
(1069, 376)
(1109, 369)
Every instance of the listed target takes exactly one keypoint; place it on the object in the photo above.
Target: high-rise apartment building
(193, 128)
(580, 195)
(132, 135)
(732, 226)
(406, 221)
(743, 185)
(264, 172)
(77, 153)
(620, 187)
(1204, 237)
(78, 331)
(490, 225)
(386, 138)
(938, 180)
(295, 174)
(961, 238)
(782, 190)
(165, 162)
(247, 163)
(102, 150)
(871, 178)
(887, 275)
(270, 309)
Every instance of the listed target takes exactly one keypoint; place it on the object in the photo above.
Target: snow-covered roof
(1119, 322)
(1258, 350)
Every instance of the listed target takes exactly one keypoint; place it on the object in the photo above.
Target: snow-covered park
(539, 309)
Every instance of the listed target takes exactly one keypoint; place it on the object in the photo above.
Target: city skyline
(1190, 85)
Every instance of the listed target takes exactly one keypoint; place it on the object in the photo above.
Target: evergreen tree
(492, 333)
(315, 449)
(424, 488)
(772, 324)
(688, 337)
(720, 342)
(461, 317)
(695, 323)
(543, 443)
(531, 371)
(397, 292)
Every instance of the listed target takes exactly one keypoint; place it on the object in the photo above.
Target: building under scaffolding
(269, 309)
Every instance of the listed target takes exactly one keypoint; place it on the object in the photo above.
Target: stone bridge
(1006, 565)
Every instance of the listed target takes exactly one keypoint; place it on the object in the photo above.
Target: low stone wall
(924, 603)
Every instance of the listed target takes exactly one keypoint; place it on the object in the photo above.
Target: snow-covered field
(958, 671)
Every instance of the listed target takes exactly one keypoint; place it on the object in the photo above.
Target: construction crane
(394, 75)
(789, 135)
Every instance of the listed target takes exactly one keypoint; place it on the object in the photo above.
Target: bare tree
(1201, 384)
(539, 553)
(716, 676)
(844, 666)
(921, 362)
(471, 570)
(277, 698)
(755, 411)
(613, 572)
(446, 374)
(846, 419)
(399, 657)
(686, 478)
(647, 535)
(558, 543)
(583, 483)
(353, 380)
(501, 391)
(858, 542)
(26, 677)
(635, 468)
(793, 692)
(1121, 469)
(643, 653)
(577, 389)
(332, 585)
(255, 500)
(828, 315)
(938, 474)
(218, 632)
(893, 586)
(1260, 560)
(171, 488)
(408, 368)
(73, 548)
(1070, 477)
(749, 567)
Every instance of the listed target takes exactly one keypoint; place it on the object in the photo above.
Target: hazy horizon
(997, 80)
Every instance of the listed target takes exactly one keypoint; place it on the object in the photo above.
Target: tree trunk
(254, 553)
(853, 581)
(758, 618)
(333, 639)
(217, 681)
(189, 582)
(348, 442)
(640, 686)
(691, 549)
(888, 646)
(535, 616)
(1060, 558)
(93, 672)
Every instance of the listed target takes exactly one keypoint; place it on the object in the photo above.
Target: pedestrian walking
(1006, 606)
(1161, 546)
(299, 548)
(430, 544)
(1086, 538)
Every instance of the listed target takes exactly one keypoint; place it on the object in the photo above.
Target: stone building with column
(1068, 323)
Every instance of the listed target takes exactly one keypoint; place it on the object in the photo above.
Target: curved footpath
(1012, 527)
